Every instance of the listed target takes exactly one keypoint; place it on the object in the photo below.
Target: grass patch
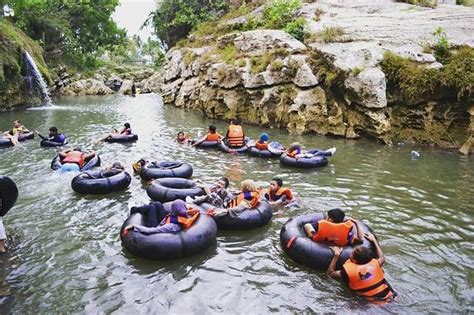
(421, 3)
(317, 14)
(467, 3)
(330, 34)
(260, 63)
(277, 65)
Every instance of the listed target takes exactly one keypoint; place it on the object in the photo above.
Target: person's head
(336, 215)
(77, 149)
(137, 166)
(234, 121)
(223, 182)
(118, 166)
(53, 131)
(126, 125)
(248, 185)
(361, 255)
(276, 183)
(295, 146)
(178, 208)
(212, 129)
(263, 137)
(16, 123)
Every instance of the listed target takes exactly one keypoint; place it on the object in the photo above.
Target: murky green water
(66, 254)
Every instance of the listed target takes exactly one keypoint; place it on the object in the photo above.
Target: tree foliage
(73, 30)
(174, 19)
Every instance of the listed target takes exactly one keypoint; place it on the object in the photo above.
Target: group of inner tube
(235, 142)
(20, 133)
(170, 228)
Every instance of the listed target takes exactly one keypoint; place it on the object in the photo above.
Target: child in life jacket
(334, 230)
(278, 195)
(262, 142)
(179, 218)
(363, 273)
(248, 198)
(182, 138)
(212, 135)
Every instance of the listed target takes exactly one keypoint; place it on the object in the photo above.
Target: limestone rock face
(86, 87)
(334, 87)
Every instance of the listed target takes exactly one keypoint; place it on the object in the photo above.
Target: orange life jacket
(184, 222)
(334, 233)
(75, 157)
(235, 136)
(212, 137)
(261, 146)
(252, 196)
(293, 153)
(367, 280)
(278, 194)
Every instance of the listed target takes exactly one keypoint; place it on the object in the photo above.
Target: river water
(66, 257)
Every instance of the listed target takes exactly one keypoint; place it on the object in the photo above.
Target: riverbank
(339, 79)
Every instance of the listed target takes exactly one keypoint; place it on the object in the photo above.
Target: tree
(174, 19)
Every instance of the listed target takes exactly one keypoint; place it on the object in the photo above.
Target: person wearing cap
(262, 142)
(295, 151)
(179, 218)
(334, 230)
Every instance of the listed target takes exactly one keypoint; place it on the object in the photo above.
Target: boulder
(369, 88)
(86, 87)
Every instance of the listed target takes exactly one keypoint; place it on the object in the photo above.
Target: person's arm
(336, 274)
(24, 129)
(378, 249)
(64, 153)
(199, 141)
(39, 135)
(89, 155)
(359, 237)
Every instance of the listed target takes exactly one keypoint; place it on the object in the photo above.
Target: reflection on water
(66, 254)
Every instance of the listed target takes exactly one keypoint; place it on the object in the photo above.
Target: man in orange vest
(334, 230)
(363, 273)
(74, 160)
(235, 137)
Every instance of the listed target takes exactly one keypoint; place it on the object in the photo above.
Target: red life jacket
(253, 197)
(75, 157)
(212, 137)
(278, 194)
(235, 136)
(184, 222)
(334, 233)
(261, 146)
(367, 280)
(293, 153)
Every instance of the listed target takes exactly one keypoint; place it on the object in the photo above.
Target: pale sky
(130, 14)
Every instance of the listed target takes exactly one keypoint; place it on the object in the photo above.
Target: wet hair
(180, 133)
(126, 125)
(77, 149)
(226, 181)
(234, 121)
(336, 215)
(278, 181)
(362, 255)
(117, 165)
(53, 129)
(212, 129)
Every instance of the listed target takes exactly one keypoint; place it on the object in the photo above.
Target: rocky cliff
(340, 80)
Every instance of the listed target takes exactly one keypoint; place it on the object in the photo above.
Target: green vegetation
(173, 20)
(296, 28)
(414, 82)
(422, 3)
(279, 13)
(331, 34)
(260, 63)
(441, 47)
(467, 3)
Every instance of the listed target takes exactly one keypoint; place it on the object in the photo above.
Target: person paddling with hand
(363, 273)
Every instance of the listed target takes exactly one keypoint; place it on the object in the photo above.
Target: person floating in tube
(53, 135)
(334, 230)
(126, 130)
(212, 135)
(277, 195)
(13, 133)
(296, 152)
(363, 273)
(235, 136)
(73, 160)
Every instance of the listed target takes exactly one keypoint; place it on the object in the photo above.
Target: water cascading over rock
(34, 78)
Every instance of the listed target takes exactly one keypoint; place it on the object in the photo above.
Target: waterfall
(34, 78)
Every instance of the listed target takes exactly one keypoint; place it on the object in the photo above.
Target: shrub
(280, 12)
(330, 34)
(296, 28)
(229, 54)
(459, 71)
(441, 47)
(422, 3)
(467, 3)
